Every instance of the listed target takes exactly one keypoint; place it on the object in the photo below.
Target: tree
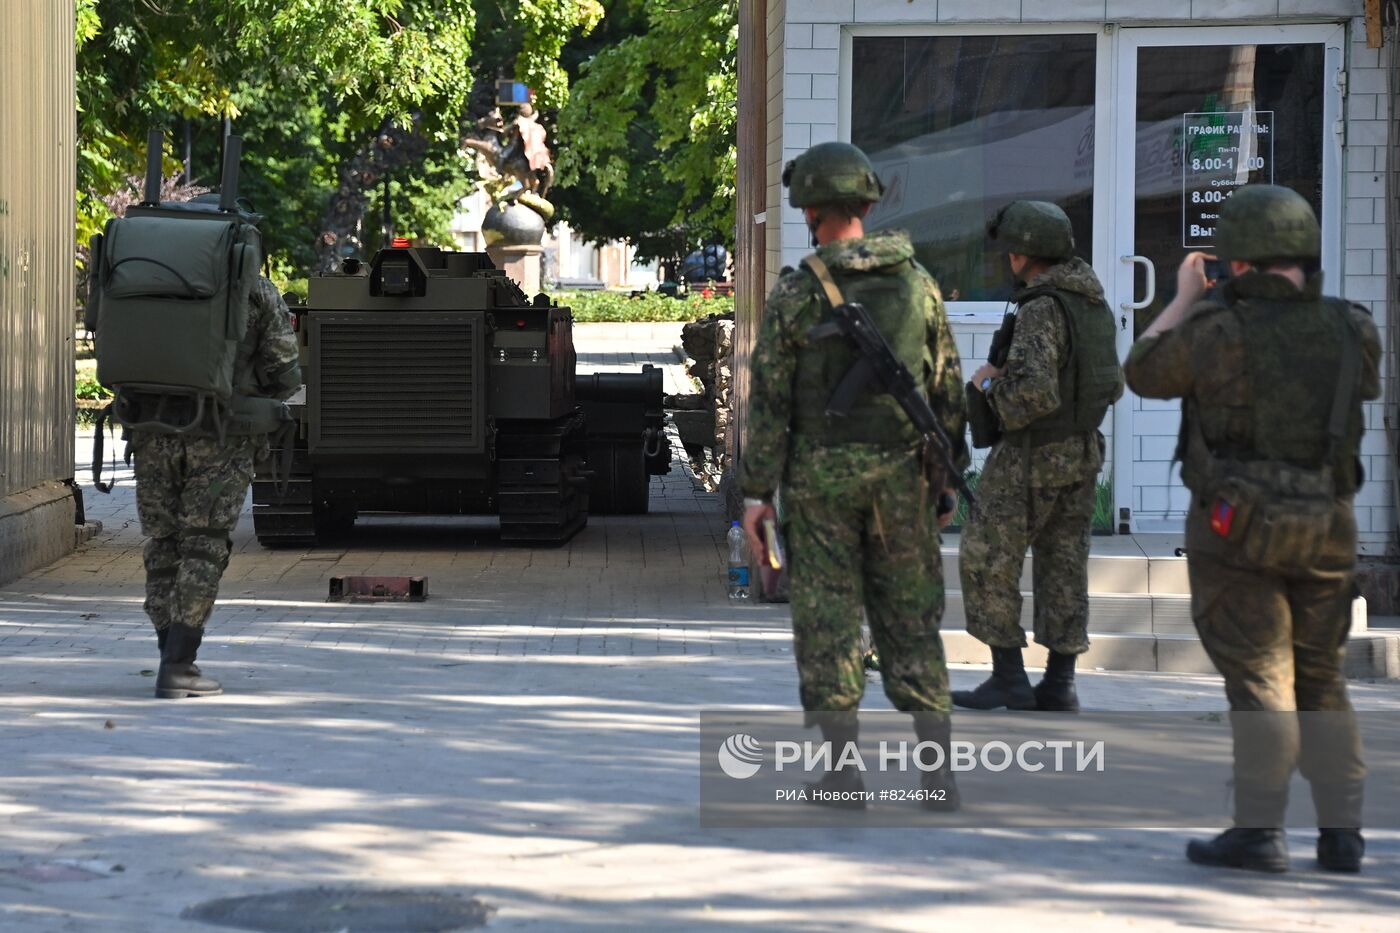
(307, 81)
(650, 129)
(329, 96)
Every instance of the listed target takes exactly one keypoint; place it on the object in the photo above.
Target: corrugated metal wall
(37, 138)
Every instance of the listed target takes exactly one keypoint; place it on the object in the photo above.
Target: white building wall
(810, 108)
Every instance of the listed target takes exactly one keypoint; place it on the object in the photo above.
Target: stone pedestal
(521, 263)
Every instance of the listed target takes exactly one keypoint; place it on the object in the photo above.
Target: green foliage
(1103, 507)
(651, 123)
(548, 24)
(613, 307)
(307, 81)
(86, 386)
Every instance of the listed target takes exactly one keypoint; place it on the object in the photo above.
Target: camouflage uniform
(1271, 379)
(1277, 638)
(1039, 497)
(859, 518)
(190, 489)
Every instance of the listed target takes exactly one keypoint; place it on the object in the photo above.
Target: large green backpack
(170, 306)
(171, 283)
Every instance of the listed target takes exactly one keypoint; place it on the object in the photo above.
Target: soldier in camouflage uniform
(189, 492)
(860, 518)
(1037, 487)
(1272, 376)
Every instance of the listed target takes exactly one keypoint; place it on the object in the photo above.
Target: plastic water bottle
(738, 563)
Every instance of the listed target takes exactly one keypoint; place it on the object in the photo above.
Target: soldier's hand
(987, 370)
(1191, 281)
(945, 514)
(754, 517)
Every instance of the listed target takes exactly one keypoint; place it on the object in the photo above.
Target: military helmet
(1267, 222)
(1033, 228)
(831, 173)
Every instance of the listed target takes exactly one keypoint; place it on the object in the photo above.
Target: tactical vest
(1303, 368)
(895, 298)
(1088, 378)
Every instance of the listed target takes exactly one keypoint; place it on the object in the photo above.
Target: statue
(511, 154)
(516, 173)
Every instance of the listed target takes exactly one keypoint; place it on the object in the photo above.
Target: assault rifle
(879, 368)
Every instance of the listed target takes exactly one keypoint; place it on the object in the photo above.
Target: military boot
(1340, 849)
(1007, 687)
(939, 786)
(1250, 849)
(839, 787)
(162, 635)
(1055, 692)
(1340, 846)
(179, 677)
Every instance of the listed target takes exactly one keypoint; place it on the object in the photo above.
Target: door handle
(1151, 295)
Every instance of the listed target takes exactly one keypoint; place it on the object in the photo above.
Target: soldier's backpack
(169, 305)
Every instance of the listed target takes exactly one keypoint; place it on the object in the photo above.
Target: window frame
(991, 312)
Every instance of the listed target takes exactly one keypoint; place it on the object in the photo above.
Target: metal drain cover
(330, 910)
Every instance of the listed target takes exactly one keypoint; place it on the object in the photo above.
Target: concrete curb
(1372, 656)
(650, 334)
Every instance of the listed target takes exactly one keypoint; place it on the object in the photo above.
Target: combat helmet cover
(831, 173)
(1033, 228)
(1267, 222)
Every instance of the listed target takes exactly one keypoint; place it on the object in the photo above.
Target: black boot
(1250, 849)
(1340, 846)
(162, 634)
(1340, 849)
(841, 788)
(1007, 687)
(939, 786)
(1055, 692)
(179, 677)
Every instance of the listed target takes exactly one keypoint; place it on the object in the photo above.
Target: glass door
(1201, 112)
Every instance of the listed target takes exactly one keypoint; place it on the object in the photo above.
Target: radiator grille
(398, 382)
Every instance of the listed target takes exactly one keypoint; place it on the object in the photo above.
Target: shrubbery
(651, 307)
(86, 386)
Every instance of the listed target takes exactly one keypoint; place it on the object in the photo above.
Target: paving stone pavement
(527, 736)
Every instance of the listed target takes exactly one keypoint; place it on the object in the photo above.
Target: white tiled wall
(810, 76)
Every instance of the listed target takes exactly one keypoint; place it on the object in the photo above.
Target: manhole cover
(325, 910)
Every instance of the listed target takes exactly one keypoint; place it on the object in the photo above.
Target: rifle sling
(818, 268)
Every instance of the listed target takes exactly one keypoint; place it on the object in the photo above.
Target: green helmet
(1267, 222)
(1033, 228)
(831, 173)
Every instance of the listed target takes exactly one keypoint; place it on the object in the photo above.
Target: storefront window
(1209, 119)
(958, 126)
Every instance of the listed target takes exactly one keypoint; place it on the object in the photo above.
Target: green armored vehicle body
(435, 386)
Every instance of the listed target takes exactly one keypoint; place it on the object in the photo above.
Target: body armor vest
(895, 298)
(1088, 378)
(1295, 353)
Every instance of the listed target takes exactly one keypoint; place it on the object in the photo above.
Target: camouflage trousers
(1055, 522)
(862, 534)
(189, 493)
(1279, 641)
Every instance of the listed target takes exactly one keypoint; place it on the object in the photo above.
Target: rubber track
(541, 496)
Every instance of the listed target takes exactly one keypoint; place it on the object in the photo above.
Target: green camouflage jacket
(269, 364)
(793, 307)
(1031, 387)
